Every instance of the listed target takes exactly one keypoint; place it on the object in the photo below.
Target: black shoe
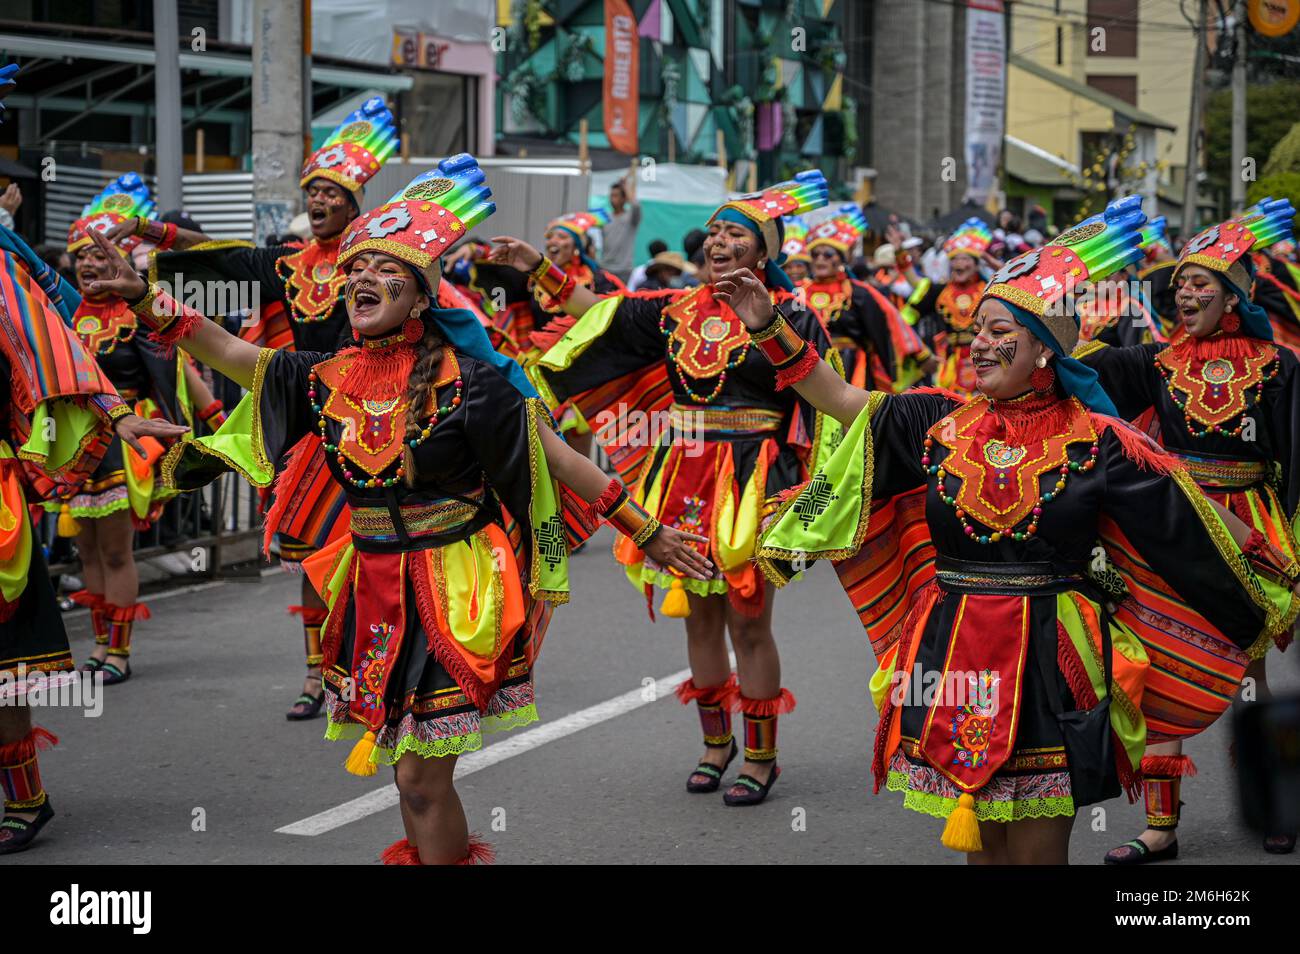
(17, 834)
(91, 665)
(706, 778)
(113, 675)
(747, 790)
(1136, 852)
(1279, 844)
(306, 706)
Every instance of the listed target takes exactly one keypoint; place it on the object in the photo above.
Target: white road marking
(514, 744)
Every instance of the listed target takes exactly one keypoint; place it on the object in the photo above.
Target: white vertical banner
(986, 95)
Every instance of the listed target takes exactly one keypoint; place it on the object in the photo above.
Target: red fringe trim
(87, 599)
(1036, 423)
(15, 753)
(1137, 446)
(780, 704)
(549, 334)
(292, 463)
(1219, 345)
(1168, 766)
(944, 392)
(480, 852)
(378, 372)
(311, 615)
(722, 694)
(400, 852)
(650, 600)
(652, 293)
(911, 623)
(1129, 778)
(438, 644)
(125, 614)
(332, 637)
(187, 322)
(596, 509)
(785, 377)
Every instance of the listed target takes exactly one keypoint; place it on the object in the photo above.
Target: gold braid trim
(1231, 554)
(771, 331)
(535, 408)
(1086, 348)
(875, 400)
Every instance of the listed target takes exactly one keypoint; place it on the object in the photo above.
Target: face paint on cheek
(1005, 349)
(739, 250)
(1204, 297)
(393, 287)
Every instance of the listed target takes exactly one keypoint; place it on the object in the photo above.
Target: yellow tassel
(962, 833)
(675, 603)
(358, 762)
(68, 525)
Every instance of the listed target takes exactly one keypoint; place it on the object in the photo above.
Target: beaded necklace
(363, 483)
(1221, 367)
(1001, 475)
(714, 332)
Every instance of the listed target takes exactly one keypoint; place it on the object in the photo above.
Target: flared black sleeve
(1128, 375)
(1177, 533)
(500, 435)
(284, 414)
(223, 262)
(631, 341)
(1283, 397)
(898, 430)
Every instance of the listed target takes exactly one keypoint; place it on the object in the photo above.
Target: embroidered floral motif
(103, 327)
(703, 345)
(1213, 391)
(972, 725)
(312, 280)
(374, 665)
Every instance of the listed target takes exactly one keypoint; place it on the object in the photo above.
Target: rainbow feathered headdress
(1225, 247)
(841, 232)
(425, 219)
(1155, 235)
(1041, 278)
(794, 248)
(805, 192)
(355, 150)
(972, 238)
(124, 198)
(580, 223)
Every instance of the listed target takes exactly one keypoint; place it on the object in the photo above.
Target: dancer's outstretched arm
(824, 389)
(208, 341)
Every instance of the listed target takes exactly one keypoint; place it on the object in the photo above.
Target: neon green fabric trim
(548, 575)
(579, 338)
(59, 431)
(438, 748)
(15, 570)
(638, 574)
(1126, 719)
(883, 677)
(814, 525)
(93, 513)
(928, 803)
(238, 442)
(909, 311)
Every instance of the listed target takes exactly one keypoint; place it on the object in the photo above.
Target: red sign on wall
(622, 78)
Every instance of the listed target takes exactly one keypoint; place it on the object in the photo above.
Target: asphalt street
(198, 740)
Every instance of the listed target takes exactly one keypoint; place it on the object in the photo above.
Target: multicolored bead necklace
(370, 482)
(937, 471)
(1216, 389)
(741, 353)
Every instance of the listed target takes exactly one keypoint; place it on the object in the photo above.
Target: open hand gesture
(132, 427)
(671, 547)
(122, 280)
(747, 296)
(514, 252)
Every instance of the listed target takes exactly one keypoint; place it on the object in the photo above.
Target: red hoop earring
(1042, 379)
(1230, 323)
(412, 330)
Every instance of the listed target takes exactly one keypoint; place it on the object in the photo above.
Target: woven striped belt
(961, 576)
(420, 520)
(1224, 474)
(842, 343)
(724, 421)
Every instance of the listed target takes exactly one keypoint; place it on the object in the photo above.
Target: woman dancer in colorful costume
(972, 529)
(60, 415)
(798, 263)
(1224, 400)
(710, 440)
(879, 350)
(123, 495)
(953, 303)
(305, 312)
(441, 594)
(1118, 311)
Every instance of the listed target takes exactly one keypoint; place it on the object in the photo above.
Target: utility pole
(170, 156)
(1194, 123)
(277, 114)
(1239, 108)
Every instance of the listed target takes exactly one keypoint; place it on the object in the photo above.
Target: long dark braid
(419, 394)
